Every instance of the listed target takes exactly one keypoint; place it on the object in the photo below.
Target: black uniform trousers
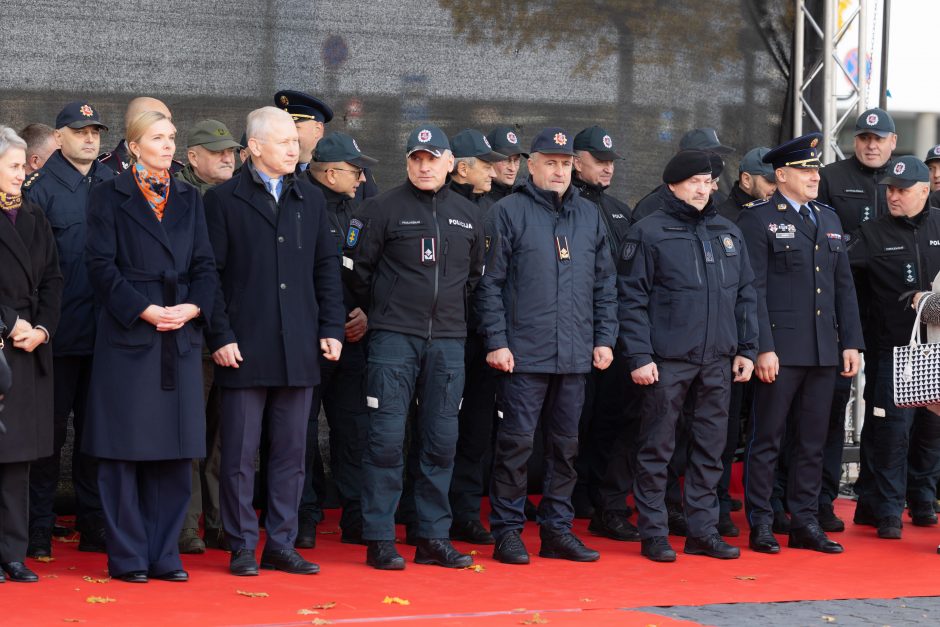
(284, 410)
(662, 406)
(342, 393)
(72, 375)
(144, 504)
(475, 433)
(14, 511)
(524, 398)
(403, 366)
(835, 442)
(805, 394)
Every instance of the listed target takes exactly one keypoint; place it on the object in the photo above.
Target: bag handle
(916, 331)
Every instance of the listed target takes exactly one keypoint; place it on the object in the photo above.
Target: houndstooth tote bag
(917, 369)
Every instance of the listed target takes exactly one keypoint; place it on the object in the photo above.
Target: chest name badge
(618, 216)
(352, 235)
(561, 244)
(428, 251)
(728, 243)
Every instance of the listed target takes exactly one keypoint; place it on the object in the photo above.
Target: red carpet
(563, 593)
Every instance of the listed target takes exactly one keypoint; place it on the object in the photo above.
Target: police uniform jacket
(280, 287)
(548, 293)
(62, 192)
(892, 256)
(684, 280)
(614, 213)
(482, 201)
(145, 399)
(735, 203)
(30, 289)
(339, 210)
(852, 189)
(420, 256)
(498, 191)
(649, 204)
(806, 297)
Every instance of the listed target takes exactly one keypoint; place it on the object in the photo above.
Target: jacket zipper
(695, 256)
(437, 234)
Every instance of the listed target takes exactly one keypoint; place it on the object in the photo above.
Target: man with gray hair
(280, 297)
(40, 144)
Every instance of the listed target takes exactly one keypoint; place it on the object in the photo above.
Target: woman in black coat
(30, 296)
(151, 266)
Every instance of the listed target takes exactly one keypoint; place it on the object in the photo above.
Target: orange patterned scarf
(155, 186)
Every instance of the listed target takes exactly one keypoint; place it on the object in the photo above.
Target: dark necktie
(808, 219)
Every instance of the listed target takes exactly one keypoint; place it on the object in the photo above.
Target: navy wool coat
(146, 400)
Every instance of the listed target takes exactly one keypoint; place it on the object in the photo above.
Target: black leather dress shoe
(18, 572)
(889, 528)
(134, 576)
(174, 575)
(289, 561)
(382, 555)
(510, 549)
(471, 531)
(762, 540)
(812, 537)
(306, 532)
(711, 546)
(566, 546)
(657, 549)
(615, 525)
(242, 563)
(440, 552)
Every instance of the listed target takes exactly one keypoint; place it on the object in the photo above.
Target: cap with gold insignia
(340, 147)
(505, 141)
(553, 141)
(598, 142)
(876, 121)
(78, 114)
(211, 135)
(801, 152)
(303, 106)
(428, 138)
(905, 172)
(472, 143)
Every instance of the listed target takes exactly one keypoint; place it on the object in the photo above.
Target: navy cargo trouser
(524, 398)
(400, 367)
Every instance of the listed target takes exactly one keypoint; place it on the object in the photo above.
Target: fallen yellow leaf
(100, 600)
(306, 612)
(252, 594)
(477, 568)
(535, 620)
(51, 576)
(94, 580)
(72, 620)
(328, 532)
(45, 559)
(73, 567)
(474, 552)
(587, 600)
(396, 600)
(829, 619)
(321, 621)
(69, 540)
(746, 578)
(325, 606)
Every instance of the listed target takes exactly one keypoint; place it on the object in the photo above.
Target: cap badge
(86, 111)
(220, 132)
(899, 168)
(511, 138)
(424, 136)
(356, 146)
(936, 150)
(560, 139)
(872, 119)
(607, 141)
(284, 101)
(813, 143)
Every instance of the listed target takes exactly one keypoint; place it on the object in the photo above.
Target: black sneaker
(889, 528)
(922, 514)
(828, 520)
(471, 531)
(40, 543)
(615, 525)
(657, 549)
(381, 554)
(440, 552)
(677, 524)
(564, 545)
(781, 523)
(510, 549)
(92, 541)
(306, 532)
(711, 546)
(726, 527)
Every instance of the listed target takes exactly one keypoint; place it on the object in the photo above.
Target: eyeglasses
(357, 171)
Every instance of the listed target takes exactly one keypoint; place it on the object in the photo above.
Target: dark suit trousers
(808, 390)
(14, 511)
(144, 505)
(285, 409)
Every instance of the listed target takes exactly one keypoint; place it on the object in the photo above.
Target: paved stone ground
(882, 612)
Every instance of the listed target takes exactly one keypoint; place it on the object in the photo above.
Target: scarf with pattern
(155, 186)
(10, 205)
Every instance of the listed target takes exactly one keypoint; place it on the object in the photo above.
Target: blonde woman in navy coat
(152, 269)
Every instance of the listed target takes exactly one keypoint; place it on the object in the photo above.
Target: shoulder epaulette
(757, 203)
(823, 205)
(32, 179)
(104, 156)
